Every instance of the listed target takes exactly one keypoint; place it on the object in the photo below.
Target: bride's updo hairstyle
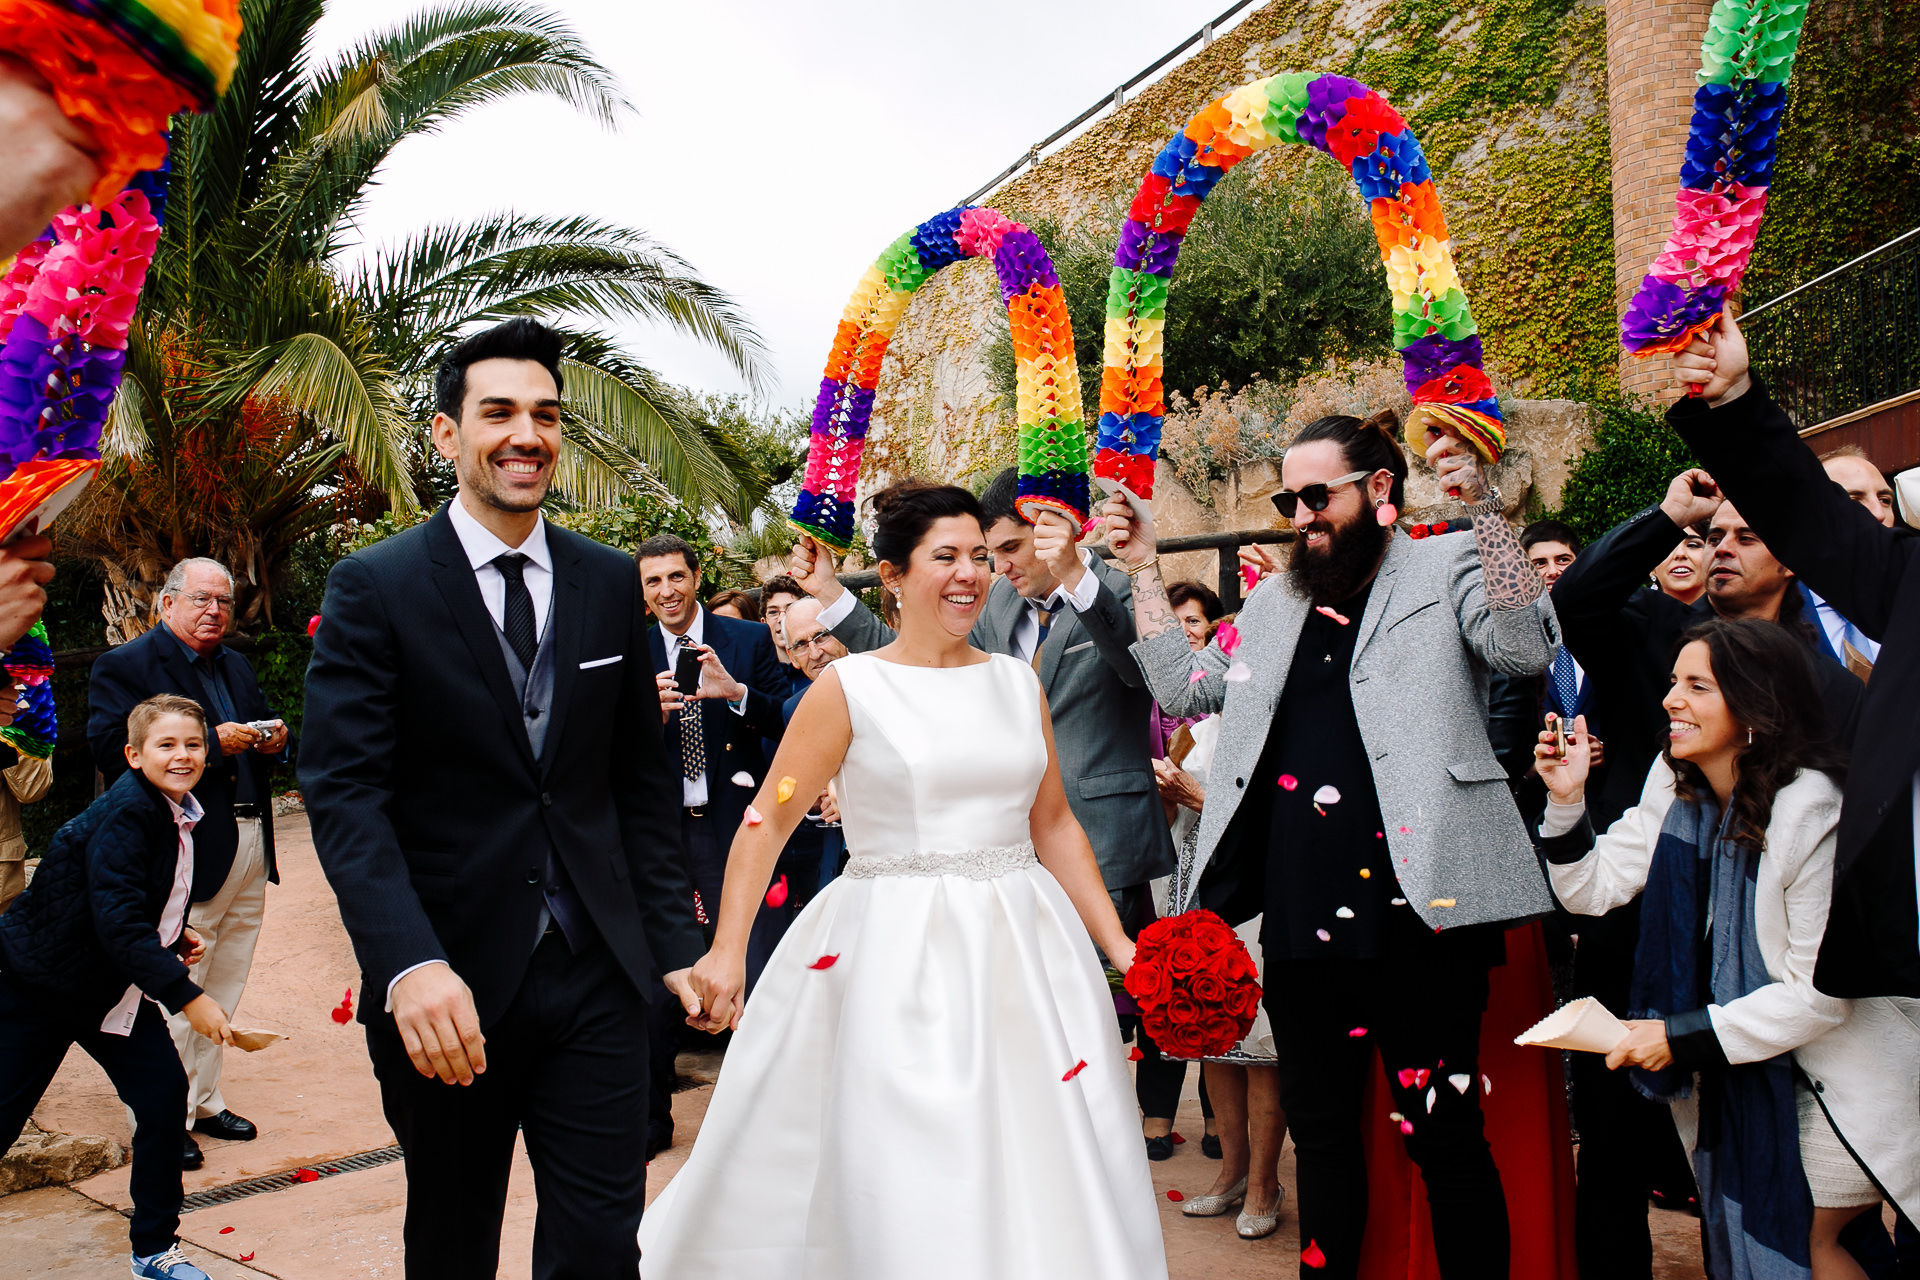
(905, 511)
(1368, 444)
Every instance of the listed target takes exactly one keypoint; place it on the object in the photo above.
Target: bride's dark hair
(905, 511)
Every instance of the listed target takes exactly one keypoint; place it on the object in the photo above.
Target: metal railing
(1844, 341)
(1116, 99)
(1227, 544)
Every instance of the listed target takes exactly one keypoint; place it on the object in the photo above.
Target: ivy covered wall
(1508, 98)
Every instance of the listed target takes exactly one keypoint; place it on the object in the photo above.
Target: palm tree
(272, 392)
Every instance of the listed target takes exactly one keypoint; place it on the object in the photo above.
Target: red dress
(1526, 1112)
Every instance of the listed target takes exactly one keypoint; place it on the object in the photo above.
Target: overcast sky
(777, 146)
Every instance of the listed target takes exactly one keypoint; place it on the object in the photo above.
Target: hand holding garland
(1133, 541)
(48, 157)
(1510, 579)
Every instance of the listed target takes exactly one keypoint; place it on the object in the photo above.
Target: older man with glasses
(233, 861)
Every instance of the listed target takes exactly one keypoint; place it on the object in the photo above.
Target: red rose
(1148, 983)
(1213, 937)
(1185, 958)
(1181, 1010)
(1208, 988)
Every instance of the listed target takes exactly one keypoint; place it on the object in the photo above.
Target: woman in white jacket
(1801, 1110)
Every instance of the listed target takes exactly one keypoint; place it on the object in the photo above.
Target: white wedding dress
(903, 1112)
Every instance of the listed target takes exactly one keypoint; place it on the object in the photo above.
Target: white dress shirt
(1835, 628)
(173, 917)
(482, 546)
(1026, 628)
(694, 791)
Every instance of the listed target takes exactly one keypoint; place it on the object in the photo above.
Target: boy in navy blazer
(97, 943)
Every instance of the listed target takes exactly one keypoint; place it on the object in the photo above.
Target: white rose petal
(1461, 1082)
(1430, 1094)
(1327, 795)
(1345, 913)
(1323, 935)
(743, 779)
(1239, 673)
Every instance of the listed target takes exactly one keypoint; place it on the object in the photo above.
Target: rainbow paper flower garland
(124, 66)
(1745, 60)
(30, 662)
(1432, 327)
(1053, 438)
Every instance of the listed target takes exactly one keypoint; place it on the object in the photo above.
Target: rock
(39, 1159)
(289, 802)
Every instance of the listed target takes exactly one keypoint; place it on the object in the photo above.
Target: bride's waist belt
(974, 864)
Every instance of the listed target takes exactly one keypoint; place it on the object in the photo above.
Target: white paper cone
(1583, 1024)
(254, 1041)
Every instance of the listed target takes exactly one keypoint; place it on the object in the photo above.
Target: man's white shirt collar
(483, 546)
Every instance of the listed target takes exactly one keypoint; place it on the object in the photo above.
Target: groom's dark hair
(999, 501)
(518, 339)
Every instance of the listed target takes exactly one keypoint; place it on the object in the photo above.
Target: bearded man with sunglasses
(1356, 806)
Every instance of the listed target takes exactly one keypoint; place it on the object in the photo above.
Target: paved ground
(315, 1100)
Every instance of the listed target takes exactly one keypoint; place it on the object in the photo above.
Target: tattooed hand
(1457, 466)
(1510, 581)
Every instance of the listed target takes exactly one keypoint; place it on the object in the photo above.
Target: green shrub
(1635, 455)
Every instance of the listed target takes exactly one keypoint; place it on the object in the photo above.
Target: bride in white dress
(929, 1081)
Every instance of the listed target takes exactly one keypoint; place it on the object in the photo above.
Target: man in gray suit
(1061, 608)
(1356, 805)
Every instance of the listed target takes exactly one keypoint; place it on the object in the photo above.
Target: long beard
(1352, 556)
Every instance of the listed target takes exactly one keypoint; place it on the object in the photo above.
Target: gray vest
(536, 694)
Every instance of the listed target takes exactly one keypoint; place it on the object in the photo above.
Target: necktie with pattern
(1566, 683)
(518, 624)
(693, 743)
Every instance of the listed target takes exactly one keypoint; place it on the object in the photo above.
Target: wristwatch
(1491, 505)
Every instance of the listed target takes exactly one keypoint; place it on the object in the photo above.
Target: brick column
(1653, 50)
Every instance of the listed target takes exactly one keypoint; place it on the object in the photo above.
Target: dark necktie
(693, 743)
(1566, 683)
(518, 624)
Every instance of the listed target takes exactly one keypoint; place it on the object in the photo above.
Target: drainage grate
(291, 1178)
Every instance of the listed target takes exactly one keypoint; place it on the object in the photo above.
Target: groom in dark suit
(495, 811)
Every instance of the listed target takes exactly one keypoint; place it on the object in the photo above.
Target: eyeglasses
(818, 638)
(201, 600)
(1316, 496)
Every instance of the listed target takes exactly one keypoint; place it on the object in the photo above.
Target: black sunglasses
(1316, 496)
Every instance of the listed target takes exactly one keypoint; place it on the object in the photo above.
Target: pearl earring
(1749, 735)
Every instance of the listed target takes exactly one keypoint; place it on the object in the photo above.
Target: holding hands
(718, 984)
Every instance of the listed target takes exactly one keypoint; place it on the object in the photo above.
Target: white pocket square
(601, 662)
(1084, 644)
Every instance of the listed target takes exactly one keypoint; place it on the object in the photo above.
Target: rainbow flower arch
(1053, 437)
(1745, 59)
(1432, 327)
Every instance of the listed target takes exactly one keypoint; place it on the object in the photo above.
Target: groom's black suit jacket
(430, 813)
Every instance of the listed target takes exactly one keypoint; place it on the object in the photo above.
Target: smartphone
(686, 671)
(1560, 737)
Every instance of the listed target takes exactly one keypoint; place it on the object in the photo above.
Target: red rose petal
(306, 1175)
(246, 1257)
(777, 895)
(313, 624)
(1407, 1075)
(825, 962)
(1134, 1054)
(1357, 1032)
(1177, 1139)
(1075, 1070)
(1288, 782)
(1311, 1256)
(1175, 1196)
(226, 1231)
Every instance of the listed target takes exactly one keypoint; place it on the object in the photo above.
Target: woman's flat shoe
(1210, 1146)
(1160, 1148)
(1251, 1227)
(1214, 1206)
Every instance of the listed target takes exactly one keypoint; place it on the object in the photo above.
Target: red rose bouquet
(1195, 984)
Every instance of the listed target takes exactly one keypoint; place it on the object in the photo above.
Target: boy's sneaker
(171, 1265)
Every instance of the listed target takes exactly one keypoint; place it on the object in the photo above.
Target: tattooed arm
(1509, 580)
(1183, 682)
(1133, 541)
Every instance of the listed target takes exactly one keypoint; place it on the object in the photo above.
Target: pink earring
(1385, 512)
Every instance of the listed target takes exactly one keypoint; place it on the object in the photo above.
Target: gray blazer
(1419, 683)
(1101, 710)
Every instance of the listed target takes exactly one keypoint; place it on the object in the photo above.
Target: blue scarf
(1754, 1201)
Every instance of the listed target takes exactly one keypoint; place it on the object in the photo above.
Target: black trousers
(1157, 1081)
(1419, 1014)
(1627, 1143)
(706, 854)
(146, 1073)
(567, 1066)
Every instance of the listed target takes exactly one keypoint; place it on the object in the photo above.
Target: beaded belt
(974, 864)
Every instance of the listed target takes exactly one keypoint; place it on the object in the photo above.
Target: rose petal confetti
(1327, 795)
(1239, 673)
(1227, 637)
(1357, 1033)
(825, 962)
(1430, 1096)
(1443, 902)
(1345, 913)
(1317, 809)
(1365, 874)
(1486, 1085)
(1461, 1083)
(1196, 677)
(1340, 618)
(1406, 1127)
(1311, 1256)
(1074, 1070)
(1405, 1076)
(743, 779)
(1134, 1054)
(246, 1257)
(1177, 1139)
(777, 895)
(313, 624)
(344, 1014)
(1323, 935)
(1249, 575)
(1288, 782)
(754, 816)
(1399, 902)
(784, 792)
(1395, 1116)
(226, 1231)
(1406, 831)
(1175, 1196)
(306, 1175)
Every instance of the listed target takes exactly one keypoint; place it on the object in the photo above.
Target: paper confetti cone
(1583, 1024)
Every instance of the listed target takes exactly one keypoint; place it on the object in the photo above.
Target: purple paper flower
(1661, 311)
(1431, 356)
(1022, 262)
(1326, 104)
(1144, 249)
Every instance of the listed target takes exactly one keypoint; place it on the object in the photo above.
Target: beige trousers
(229, 923)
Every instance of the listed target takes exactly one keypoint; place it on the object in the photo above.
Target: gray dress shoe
(1252, 1227)
(1214, 1206)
